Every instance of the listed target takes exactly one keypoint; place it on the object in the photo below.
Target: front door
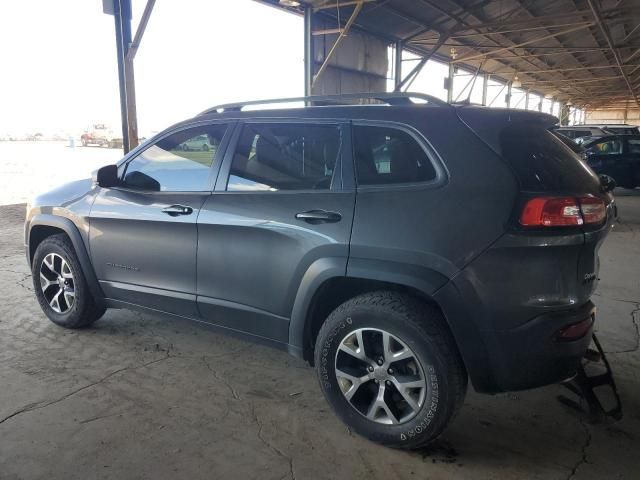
(279, 210)
(143, 233)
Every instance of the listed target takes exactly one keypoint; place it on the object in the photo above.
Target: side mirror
(607, 183)
(107, 176)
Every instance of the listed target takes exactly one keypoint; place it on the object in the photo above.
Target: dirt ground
(139, 396)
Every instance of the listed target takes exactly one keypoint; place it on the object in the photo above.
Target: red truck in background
(101, 135)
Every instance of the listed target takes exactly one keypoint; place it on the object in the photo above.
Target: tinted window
(634, 145)
(272, 157)
(386, 156)
(180, 162)
(542, 162)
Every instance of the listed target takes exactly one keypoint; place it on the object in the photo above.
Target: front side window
(387, 156)
(180, 162)
(273, 157)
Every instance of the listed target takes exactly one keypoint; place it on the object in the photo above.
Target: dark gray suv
(401, 248)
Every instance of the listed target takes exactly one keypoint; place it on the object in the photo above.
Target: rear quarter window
(542, 163)
(389, 156)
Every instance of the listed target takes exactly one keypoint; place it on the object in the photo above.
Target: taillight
(562, 211)
(593, 209)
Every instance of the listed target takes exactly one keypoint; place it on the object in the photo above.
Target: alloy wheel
(57, 283)
(380, 376)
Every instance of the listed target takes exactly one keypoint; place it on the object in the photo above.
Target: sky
(59, 70)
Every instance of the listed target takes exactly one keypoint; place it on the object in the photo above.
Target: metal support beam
(343, 34)
(522, 44)
(526, 99)
(423, 61)
(397, 70)
(450, 83)
(122, 18)
(616, 55)
(485, 87)
(308, 51)
(142, 26)
(509, 86)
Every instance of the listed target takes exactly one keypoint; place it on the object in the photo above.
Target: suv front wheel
(60, 285)
(390, 369)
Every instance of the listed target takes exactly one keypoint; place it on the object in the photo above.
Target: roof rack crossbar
(390, 98)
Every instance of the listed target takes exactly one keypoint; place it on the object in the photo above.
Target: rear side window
(634, 145)
(273, 157)
(388, 156)
(543, 163)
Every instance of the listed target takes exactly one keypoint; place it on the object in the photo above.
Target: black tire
(84, 310)
(205, 147)
(422, 329)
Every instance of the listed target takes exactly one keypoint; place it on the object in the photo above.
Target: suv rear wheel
(388, 366)
(60, 285)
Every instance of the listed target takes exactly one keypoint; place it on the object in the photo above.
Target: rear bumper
(532, 355)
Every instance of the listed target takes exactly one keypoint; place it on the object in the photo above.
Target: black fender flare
(68, 227)
(318, 272)
(423, 279)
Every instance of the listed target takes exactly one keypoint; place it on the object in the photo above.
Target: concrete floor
(138, 396)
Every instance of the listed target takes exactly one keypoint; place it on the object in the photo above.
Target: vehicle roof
(377, 112)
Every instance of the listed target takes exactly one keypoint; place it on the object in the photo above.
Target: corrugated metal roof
(585, 51)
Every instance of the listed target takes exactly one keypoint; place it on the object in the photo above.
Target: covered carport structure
(560, 56)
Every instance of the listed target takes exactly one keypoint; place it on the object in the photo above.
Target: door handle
(175, 210)
(319, 216)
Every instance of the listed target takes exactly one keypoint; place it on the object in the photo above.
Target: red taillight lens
(551, 212)
(575, 331)
(562, 211)
(593, 209)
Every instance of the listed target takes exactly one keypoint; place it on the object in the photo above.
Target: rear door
(280, 209)
(143, 233)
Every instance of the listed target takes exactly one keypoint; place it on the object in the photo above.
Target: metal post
(398, 66)
(540, 103)
(308, 50)
(509, 95)
(132, 117)
(526, 100)
(485, 87)
(121, 47)
(450, 83)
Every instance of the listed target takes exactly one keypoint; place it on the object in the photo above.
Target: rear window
(543, 163)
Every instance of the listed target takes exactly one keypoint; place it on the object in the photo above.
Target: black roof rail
(390, 98)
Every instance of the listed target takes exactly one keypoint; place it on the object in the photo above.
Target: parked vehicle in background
(620, 129)
(384, 244)
(577, 131)
(200, 143)
(101, 135)
(617, 156)
(573, 145)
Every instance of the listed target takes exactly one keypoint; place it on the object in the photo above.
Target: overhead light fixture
(453, 52)
(548, 96)
(289, 3)
(569, 103)
(516, 83)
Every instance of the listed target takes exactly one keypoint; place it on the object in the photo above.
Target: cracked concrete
(141, 396)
